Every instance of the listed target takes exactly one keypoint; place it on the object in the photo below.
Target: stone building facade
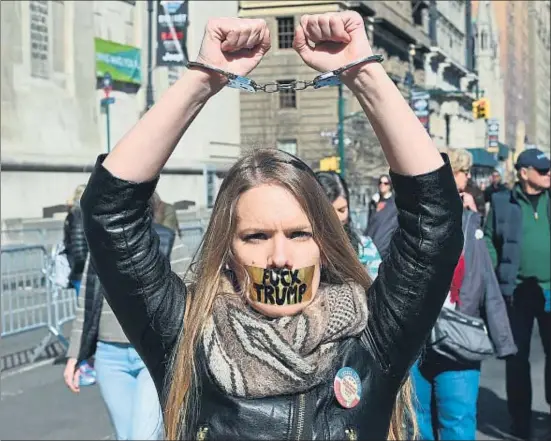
(488, 65)
(450, 75)
(306, 122)
(539, 89)
(52, 126)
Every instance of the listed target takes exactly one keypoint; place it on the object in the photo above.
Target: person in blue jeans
(76, 250)
(125, 383)
(447, 390)
(455, 394)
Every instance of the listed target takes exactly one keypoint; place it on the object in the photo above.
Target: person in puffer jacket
(74, 240)
(452, 386)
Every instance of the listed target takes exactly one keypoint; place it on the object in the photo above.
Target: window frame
(288, 96)
(288, 141)
(285, 36)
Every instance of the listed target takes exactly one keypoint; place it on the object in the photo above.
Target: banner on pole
(121, 61)
(492, 132)
(420, 103)
(172, 22)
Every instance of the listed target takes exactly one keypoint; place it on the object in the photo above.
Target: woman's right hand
(72, 375)
(232, 44)
(235, 45)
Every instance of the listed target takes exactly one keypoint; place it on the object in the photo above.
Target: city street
(37, 405)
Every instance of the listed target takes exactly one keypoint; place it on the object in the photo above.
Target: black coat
(403, 304)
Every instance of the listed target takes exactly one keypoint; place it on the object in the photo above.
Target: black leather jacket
(94, 293)
(403, 303)
(74, 240)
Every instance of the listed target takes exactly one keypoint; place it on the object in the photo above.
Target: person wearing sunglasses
(383, 220)
(384, 193)
(518, 235)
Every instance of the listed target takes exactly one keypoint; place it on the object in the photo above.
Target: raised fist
(338, 39)
(235, 45)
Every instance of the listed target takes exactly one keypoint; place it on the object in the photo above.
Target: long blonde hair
(339, 261)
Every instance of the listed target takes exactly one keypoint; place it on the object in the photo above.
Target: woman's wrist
(367, 78)
(204, 84)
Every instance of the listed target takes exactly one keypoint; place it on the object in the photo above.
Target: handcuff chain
(330, 78)
(278, 87)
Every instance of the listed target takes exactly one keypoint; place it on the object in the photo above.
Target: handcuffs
(329, 78)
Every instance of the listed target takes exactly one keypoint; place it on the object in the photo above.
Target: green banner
(123, 62)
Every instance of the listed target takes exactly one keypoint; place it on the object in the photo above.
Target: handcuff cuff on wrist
(329, 78)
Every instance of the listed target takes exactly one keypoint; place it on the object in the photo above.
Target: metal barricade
(29, 298)
(46, 237)
(25, 296)
(191, 237)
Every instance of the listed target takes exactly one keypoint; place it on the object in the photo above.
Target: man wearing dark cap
(518, 235)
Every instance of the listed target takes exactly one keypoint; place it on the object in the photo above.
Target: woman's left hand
(339, 39)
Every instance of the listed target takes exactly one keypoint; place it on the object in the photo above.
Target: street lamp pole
(411, 54)
(149, 89)
(341, 131)
(105, 104)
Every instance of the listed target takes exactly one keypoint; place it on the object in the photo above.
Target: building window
(483, 40)
(287, 98)
(58, 36)
(285, 32)
(287, 145)
(39, 38)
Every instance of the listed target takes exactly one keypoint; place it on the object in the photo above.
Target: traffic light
(331, 163)
(475, 109)
(481, 108)
(484, 108)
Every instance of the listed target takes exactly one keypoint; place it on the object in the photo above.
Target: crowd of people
(293, 325)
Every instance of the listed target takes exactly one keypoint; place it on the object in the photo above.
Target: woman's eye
(255, 237)
(301, 235)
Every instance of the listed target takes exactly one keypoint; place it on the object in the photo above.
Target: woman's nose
(279, 255)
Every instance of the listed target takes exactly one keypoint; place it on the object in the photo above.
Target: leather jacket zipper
(202, 433)
(301, 412)
(351, 435)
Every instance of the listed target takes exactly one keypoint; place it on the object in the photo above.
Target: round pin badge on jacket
(347, 387)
